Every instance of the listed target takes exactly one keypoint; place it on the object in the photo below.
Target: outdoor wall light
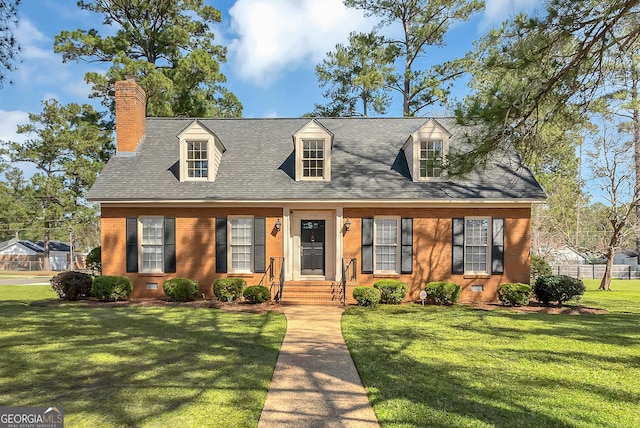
(278, 225)
(347, 224)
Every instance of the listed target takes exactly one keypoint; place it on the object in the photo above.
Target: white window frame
(487, 245)
(304, 159)
(230, 243)
(440, 159)
(142, 245)
(398, 245)
(207, 159)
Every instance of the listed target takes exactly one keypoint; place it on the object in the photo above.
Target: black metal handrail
(349, 267)
(281, 280)
(274, 276)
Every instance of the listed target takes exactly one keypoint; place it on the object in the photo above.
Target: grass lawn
(464, 367)
(136, 366)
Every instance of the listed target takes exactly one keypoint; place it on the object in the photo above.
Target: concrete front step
(313, 293)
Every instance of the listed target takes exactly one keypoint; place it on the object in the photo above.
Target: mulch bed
(262, 308)
(538, 307)
(258, 308)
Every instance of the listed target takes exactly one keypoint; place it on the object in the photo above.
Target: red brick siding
(432, 248)
(195, 245)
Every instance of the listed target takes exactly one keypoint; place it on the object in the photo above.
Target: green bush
(366, 296)
(392, 291)
(256, 294)
(72, 285)
(443, 292)
(558, 288)
(181, 289)
(228, 289)
(515, 294)
(539, 267)
(111, 288)
(94, 260)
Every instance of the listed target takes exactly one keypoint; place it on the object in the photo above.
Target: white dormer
(200, 153)
(426, 150)
(312, 145)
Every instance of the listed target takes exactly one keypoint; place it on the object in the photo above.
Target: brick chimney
(130, 115)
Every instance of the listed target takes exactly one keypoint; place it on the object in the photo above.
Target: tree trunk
(46, 264)
(605, 284)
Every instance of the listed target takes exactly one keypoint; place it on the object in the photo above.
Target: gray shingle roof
(258, 164)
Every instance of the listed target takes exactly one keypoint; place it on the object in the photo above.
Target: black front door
(312, 241)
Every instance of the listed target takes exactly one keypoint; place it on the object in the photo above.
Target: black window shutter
(497, 246)
(457, 259)
(132, 245)
(367, 245)
(406, 261)
(221, 245)
(259, 249)
(169, 244)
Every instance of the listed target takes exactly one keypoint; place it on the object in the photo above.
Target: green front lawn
(462, 367)
(136, 366)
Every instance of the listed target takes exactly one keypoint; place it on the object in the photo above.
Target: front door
(312, 242)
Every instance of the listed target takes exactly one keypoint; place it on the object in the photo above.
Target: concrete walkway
(315, 383)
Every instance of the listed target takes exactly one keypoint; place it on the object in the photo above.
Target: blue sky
(273, 46)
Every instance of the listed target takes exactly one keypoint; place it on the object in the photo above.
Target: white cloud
(496, 11)
(9, 121)
(275, 35)
(31, 39)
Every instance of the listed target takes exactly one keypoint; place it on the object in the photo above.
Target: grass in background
(624, 296)
(136, 366)
(456, 366)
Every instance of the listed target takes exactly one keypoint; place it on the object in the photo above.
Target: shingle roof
(367, 163)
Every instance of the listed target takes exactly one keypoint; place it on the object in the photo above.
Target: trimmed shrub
(392, 291)
(515, 294)
(72, 285)
(366, 296)
(558, 288)
(539, 267)
(443, 292)
(181, 289)
(94, 260)
(256, 294)
(228, 289)
(111, 288)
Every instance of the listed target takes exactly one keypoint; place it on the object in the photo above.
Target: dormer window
(312, 145)
(200, 153)
(197, 159)
(313, 158)
(426, 150)
(430, 158)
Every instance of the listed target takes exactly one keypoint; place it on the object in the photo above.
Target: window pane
(476, 236)
(386, 244)
(152, 241)
(197, 160)
(241, 243)
(313, 158)
(431, 158)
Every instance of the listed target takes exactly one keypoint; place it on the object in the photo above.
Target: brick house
(317, 200)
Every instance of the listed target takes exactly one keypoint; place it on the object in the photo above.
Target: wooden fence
(597, 271)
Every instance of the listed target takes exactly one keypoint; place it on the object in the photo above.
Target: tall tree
(68, 145)
(167, 44)
(611, 163)
(14, 203)
(560, 55)
(423, 23)
(9, 47)
(622, 96)
(354, 76)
